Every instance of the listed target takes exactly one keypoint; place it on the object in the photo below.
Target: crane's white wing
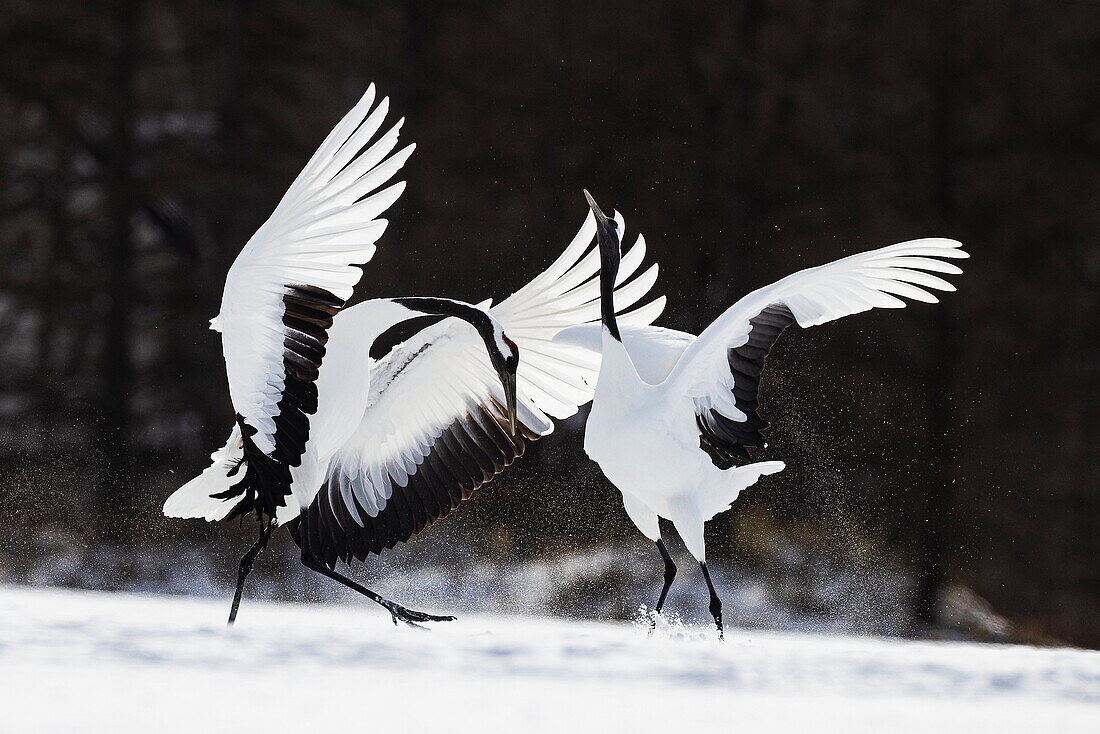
(720, 371)
(435, 430)
(293, 276)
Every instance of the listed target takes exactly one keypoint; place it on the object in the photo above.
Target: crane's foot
(652, 617)
(412, 617)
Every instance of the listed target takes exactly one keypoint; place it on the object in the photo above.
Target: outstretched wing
(720, 370)
(293, 276)
(435, 429)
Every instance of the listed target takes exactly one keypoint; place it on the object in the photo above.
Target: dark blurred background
(942, 461)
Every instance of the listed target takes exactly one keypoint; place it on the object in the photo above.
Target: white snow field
(75, 661)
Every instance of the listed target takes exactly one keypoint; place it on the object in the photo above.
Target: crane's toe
(413, 618)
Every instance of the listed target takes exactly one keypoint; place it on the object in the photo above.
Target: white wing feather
(814, 296)
(320, 230)
(325, 224)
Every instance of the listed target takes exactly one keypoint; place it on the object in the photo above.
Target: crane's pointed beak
(510, 396)
(607, 235)
(600, 216)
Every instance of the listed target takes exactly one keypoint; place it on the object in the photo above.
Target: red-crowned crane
(673, 412)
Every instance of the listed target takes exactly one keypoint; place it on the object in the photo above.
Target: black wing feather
(723, 438)
(468, 454)
(265, 483)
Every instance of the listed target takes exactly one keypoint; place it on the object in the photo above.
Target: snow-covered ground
(75, 661)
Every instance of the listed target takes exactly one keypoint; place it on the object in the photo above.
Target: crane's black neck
(486, 327)
(474, 316)
(608, 239)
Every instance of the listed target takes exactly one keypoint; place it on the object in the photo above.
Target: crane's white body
(646, 442)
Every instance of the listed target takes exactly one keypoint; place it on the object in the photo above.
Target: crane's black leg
(670, 574)
(246, 566)
(715, 602)
(398, 612)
